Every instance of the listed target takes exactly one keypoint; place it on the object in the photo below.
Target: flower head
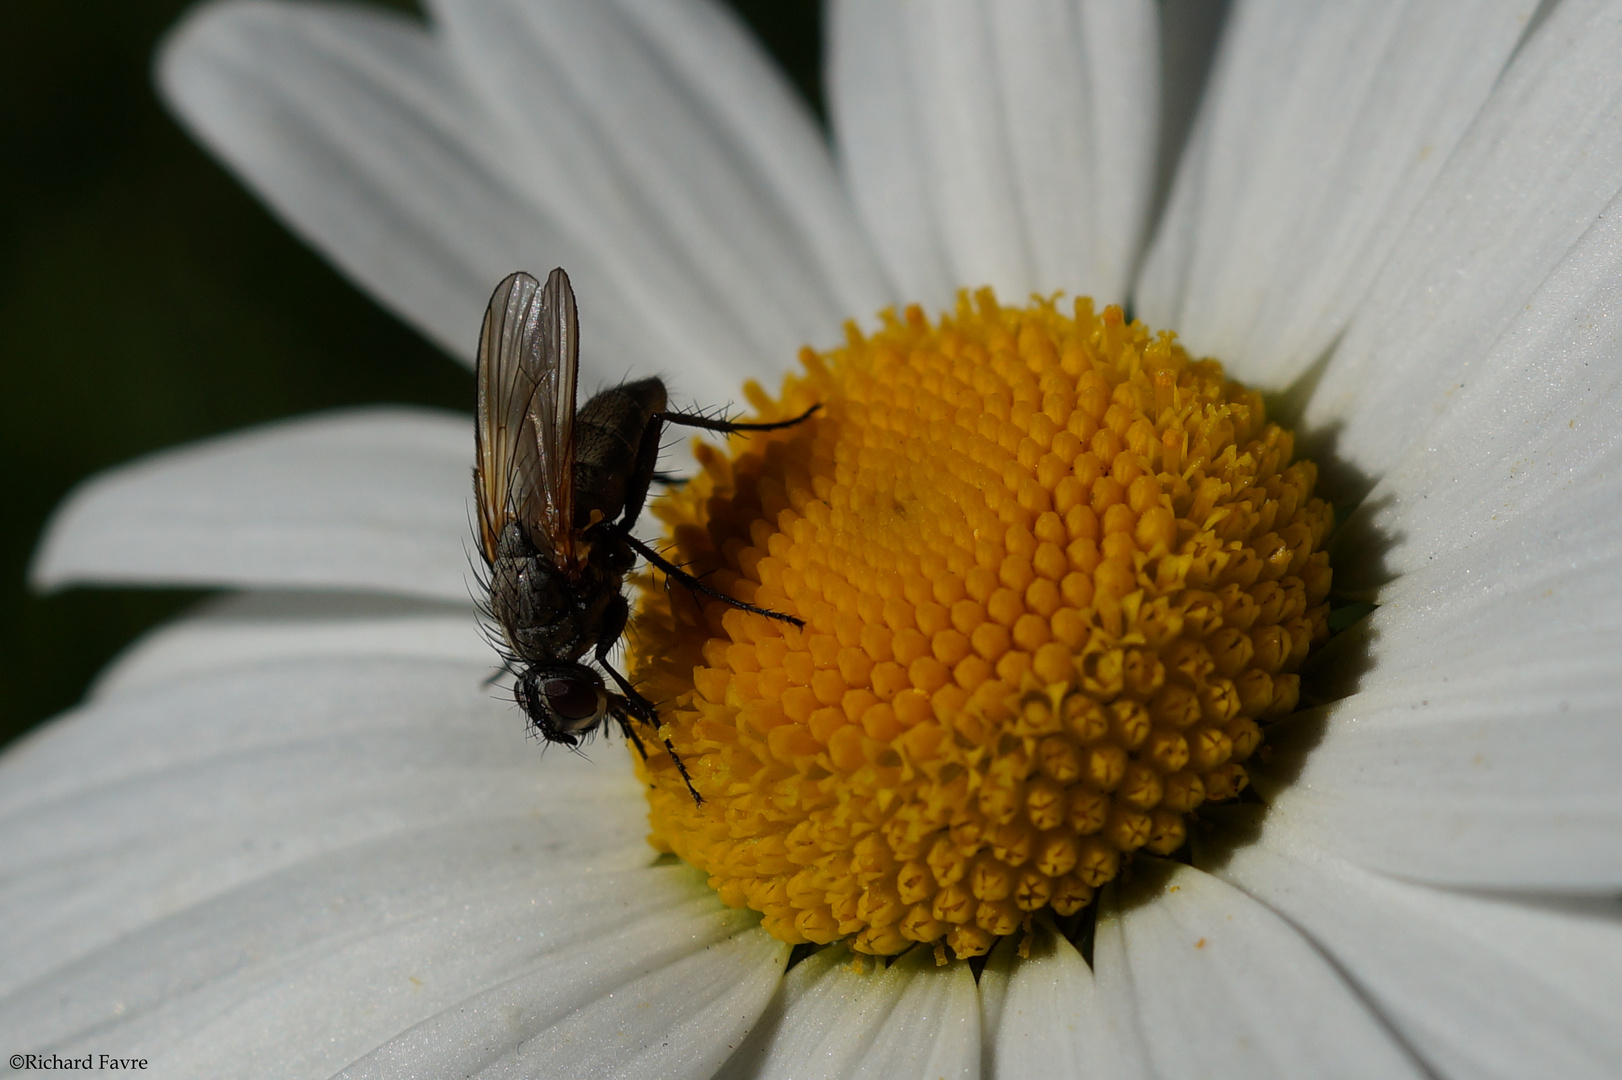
(294, 833)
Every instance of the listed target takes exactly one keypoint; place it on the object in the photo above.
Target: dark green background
(147, 300)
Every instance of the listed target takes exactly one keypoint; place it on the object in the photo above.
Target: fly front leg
(614, 618)
(633, 705)
(618, 706)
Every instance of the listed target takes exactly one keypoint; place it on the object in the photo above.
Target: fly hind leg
(646, 460)
(729, 426)
(645, 469)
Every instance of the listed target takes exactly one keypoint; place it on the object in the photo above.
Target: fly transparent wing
(529, 355)
(551, 355)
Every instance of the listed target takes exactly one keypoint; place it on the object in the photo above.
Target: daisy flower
(293, 834)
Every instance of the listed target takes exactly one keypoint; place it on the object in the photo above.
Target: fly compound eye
(576, 703)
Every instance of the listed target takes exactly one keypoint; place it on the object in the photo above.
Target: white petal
(952, 56)
(1479, 986)
(773, 1049)
(933, 1031)
(1126, 1045)
(1476, 742)
(244, 629)
(1542, 594)
(1522, 455)
(1002, 144)
(1532, 176)
(1080, 86)
(1321, 130)
(1494, 764)
(1049, 1022)
(1190, 31)
(680, 167)
(365, 499)
(829, 1021)
(134, 811)
(768, 123)
(668, 998)
(1224, 987)
(881, 146)
(352, 126)
(635, 972)
(993, 996)
(289, 869)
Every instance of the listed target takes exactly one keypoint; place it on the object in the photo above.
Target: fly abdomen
(530, 598)
(547, 614)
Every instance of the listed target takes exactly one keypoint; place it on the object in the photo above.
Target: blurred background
(147, 300)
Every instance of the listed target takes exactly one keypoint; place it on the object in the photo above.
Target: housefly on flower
(557, 491)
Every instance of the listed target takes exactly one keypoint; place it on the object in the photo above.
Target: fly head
(563, 702)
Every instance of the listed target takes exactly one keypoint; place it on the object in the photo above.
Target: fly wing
(529, 355)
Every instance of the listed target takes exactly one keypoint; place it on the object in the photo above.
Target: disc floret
(1055, 577)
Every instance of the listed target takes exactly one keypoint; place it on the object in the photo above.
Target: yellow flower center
(1054, 575)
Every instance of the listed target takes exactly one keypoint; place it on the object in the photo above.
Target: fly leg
(633, 704)
(495, 676)
(676, 573)
(617, 707)
(621, 709)
(689, 420)
(645, 471)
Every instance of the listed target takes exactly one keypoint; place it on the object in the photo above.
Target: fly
(557, 491)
